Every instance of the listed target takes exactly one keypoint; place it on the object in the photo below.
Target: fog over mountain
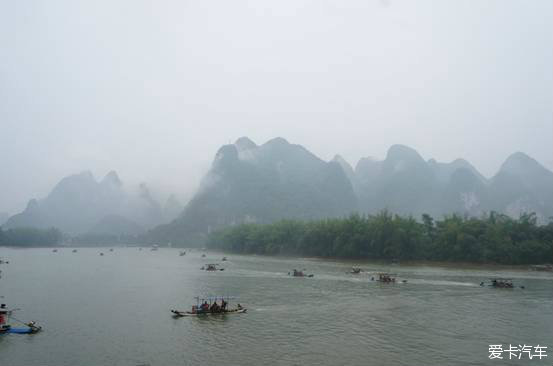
(80, 204)
(152, 91)
(279, 180)
(250, 183)
(4, 216)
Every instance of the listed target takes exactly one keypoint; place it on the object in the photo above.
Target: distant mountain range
(279, 180)
(404, 183)
(79, 204)
(250, 183)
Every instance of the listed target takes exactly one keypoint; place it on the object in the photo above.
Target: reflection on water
(114, 310)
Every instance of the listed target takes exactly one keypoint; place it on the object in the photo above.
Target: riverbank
(494, 239)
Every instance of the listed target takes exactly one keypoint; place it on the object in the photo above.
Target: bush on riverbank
(493, 238)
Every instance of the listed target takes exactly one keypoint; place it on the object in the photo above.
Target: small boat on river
(355, 270)
(385, 277)
(6, 328)
(296, 273)
(211, 267)
(182, 253)
(210, 306)
(500, 283)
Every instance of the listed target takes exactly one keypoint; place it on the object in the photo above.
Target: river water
(114, 310)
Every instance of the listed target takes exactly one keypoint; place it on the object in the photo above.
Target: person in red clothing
(4, 313)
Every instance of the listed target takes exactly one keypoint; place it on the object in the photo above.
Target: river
(114, 310)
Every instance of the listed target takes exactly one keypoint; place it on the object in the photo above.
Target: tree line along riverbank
(492, 238)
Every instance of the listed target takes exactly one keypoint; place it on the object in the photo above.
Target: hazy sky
(153, 88)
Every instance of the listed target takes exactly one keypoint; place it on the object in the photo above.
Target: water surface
(114, 310)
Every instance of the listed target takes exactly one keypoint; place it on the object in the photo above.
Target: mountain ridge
(277, 180)
(403, 183)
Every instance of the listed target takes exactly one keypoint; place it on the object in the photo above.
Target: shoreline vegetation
(491, 239)
(30, 237)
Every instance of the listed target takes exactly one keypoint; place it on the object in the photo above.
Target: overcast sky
(151, 89)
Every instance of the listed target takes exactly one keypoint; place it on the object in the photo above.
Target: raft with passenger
(386, 277)
(210, 306)
(296, 273)
(500, 283)
(5, 327)
(210, 267)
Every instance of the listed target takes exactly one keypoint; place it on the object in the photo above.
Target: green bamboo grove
(493, 238)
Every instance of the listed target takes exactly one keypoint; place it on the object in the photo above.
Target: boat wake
(442, 283)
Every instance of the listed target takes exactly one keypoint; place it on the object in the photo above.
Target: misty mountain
(348, 170)
(444, 171)
(172, 208)
(250, 183)
(463, 193)
(115, 225)
(279, 180)
(4, 216)
(404, 183)
(80, 204)
(522, 184)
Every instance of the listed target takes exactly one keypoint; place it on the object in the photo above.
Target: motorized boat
(355, 270)
(182, 253)
(74, 251)
(296, 273)
(154, 247)
(224, 259)
(209, 306)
